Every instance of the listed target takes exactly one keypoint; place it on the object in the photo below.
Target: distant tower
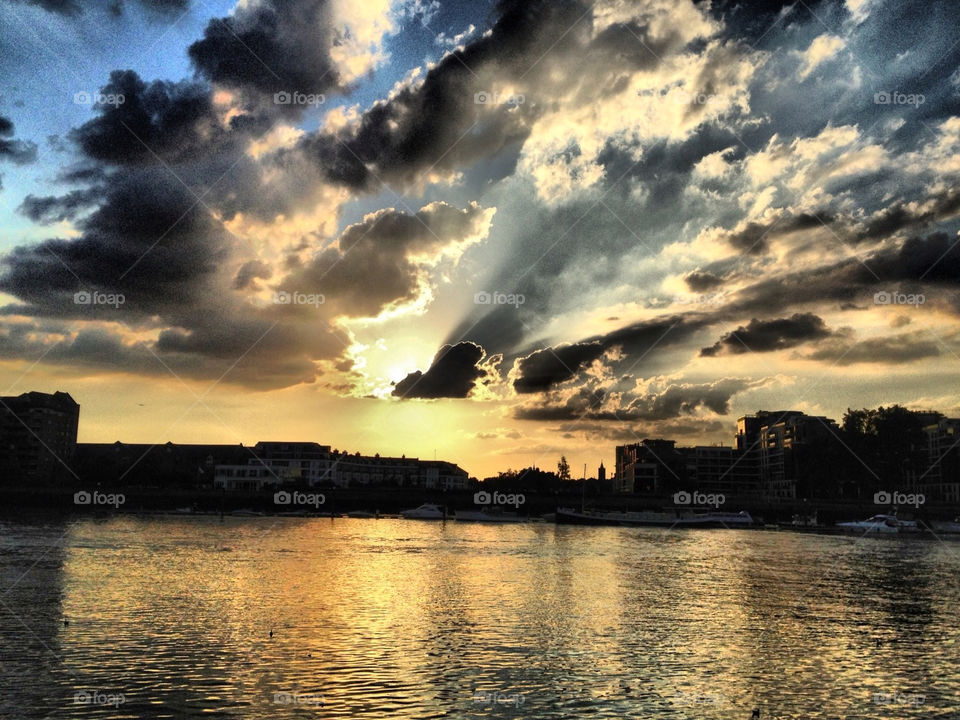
(601, 472)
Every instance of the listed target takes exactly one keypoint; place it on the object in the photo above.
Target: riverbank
(69, 500)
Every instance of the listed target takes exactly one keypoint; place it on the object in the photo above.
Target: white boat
(887, 524)
(491, 515)
(426, 511)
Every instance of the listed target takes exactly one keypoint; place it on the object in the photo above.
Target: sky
(487, 232)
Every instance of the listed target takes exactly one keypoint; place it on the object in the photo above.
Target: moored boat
(666, 519)
(884, 524)
(427, 511)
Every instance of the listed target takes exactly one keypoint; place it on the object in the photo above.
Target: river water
(170, 617)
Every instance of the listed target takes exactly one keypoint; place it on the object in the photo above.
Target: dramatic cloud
(384, 259)
(158, 120)
(51, 209)
(700, 281)
(271, 47)
(19, 152)
(770, 335)
(453, 373)
(543, 369)
(653, 401)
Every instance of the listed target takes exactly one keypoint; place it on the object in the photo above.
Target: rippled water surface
(406, 619)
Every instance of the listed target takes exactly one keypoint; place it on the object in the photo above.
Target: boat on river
(427, 511)
(884, 524)
(665, 519)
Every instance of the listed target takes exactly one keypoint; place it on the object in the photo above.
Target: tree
(563, 468)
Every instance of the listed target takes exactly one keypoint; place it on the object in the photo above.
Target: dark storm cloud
(943, 205)
(770, 335)
(152, 243)
(548, 367)
(753, 239)
(51, 209)
(933, 261)
(19, 152)
(270, 47)
(148, 239)
(175, 125)
(156, 121)
(542, 369)
(673, 401)
(378, 261)
(452, 374)
(699, 281)
(436, 125)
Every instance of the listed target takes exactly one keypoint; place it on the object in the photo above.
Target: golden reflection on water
(407, 619)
